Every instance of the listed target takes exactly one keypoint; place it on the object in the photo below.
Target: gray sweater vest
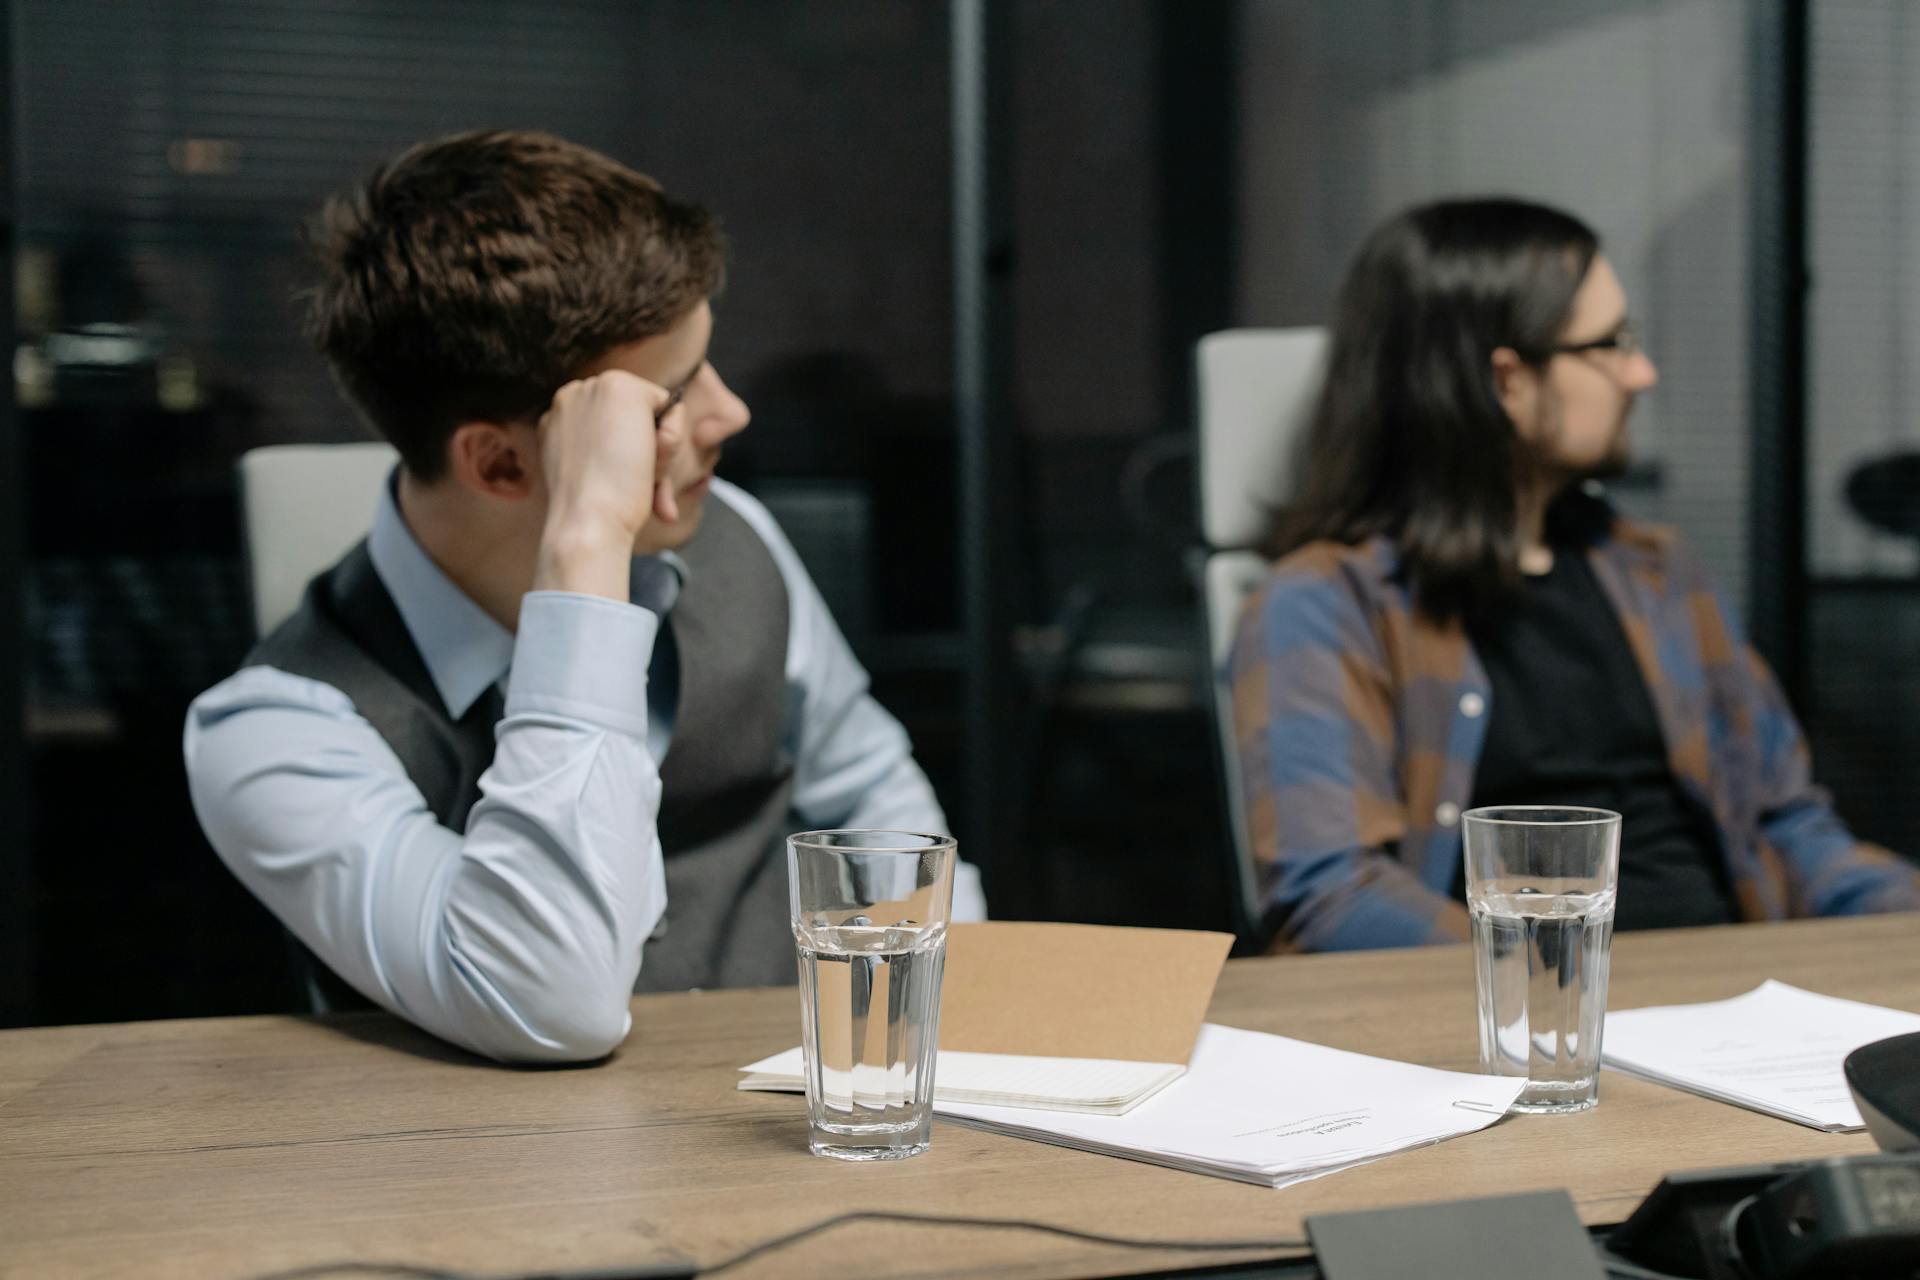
(726, 782)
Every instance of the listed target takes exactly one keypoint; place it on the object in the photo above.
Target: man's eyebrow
(1620, 322)
(691, 374)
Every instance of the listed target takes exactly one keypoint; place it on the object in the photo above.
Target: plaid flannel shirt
(1360, 723)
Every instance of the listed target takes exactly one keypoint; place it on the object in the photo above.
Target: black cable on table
(1002, 1224)
(657, 1270)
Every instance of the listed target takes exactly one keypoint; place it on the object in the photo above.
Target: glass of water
(870, 912)
(1540, 891)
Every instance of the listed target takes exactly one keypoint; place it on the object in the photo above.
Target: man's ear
(493, 458)
(1516, 384)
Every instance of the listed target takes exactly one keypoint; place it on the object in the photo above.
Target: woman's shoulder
(1659, 549)
(1370, 564)
(1330, 587)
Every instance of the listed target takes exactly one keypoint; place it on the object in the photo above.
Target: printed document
(1271, 1111)
(1777, 1049)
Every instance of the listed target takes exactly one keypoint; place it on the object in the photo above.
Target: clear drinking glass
(1540, 891)
(870, 912)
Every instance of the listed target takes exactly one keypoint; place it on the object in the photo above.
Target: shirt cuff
(584, 657)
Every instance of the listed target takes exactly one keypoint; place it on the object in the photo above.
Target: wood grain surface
(237, 1147)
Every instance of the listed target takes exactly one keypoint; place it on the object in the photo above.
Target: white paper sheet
(1098, 1085)
(1777, 1049)
(1271, 1111)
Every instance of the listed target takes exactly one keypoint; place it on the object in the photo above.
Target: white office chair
(303, 506)
(1255, 390)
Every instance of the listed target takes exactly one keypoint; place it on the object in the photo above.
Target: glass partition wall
(1167, 170)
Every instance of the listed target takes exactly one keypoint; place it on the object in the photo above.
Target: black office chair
(1885, 492)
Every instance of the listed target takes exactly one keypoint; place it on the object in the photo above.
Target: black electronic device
(1852, 1218)
(1885, 1080)
(1678, 1229)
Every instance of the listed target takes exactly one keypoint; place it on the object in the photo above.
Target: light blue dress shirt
(521, 937)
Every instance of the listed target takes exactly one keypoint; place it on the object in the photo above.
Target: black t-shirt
(1573, 724)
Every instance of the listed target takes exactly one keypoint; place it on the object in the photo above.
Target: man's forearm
(560, 881)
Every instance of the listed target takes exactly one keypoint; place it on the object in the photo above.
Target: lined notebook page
(1097, 1085)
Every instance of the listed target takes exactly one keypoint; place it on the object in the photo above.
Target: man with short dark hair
(536, 741)
(1455, 620)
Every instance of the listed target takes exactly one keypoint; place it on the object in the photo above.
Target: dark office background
(1157, 170)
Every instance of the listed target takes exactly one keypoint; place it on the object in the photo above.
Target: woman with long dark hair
(1456, 618)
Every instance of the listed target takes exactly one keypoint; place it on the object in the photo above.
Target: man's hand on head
(605, 462)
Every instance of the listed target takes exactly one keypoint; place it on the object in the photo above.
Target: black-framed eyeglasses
(676, 394)
(1623, 342)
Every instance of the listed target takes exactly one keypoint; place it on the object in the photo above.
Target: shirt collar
(464, 649)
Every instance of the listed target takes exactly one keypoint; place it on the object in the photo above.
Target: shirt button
(1471, 705)
(1447, 814)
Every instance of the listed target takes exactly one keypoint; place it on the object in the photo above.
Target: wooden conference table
(235, 1147)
